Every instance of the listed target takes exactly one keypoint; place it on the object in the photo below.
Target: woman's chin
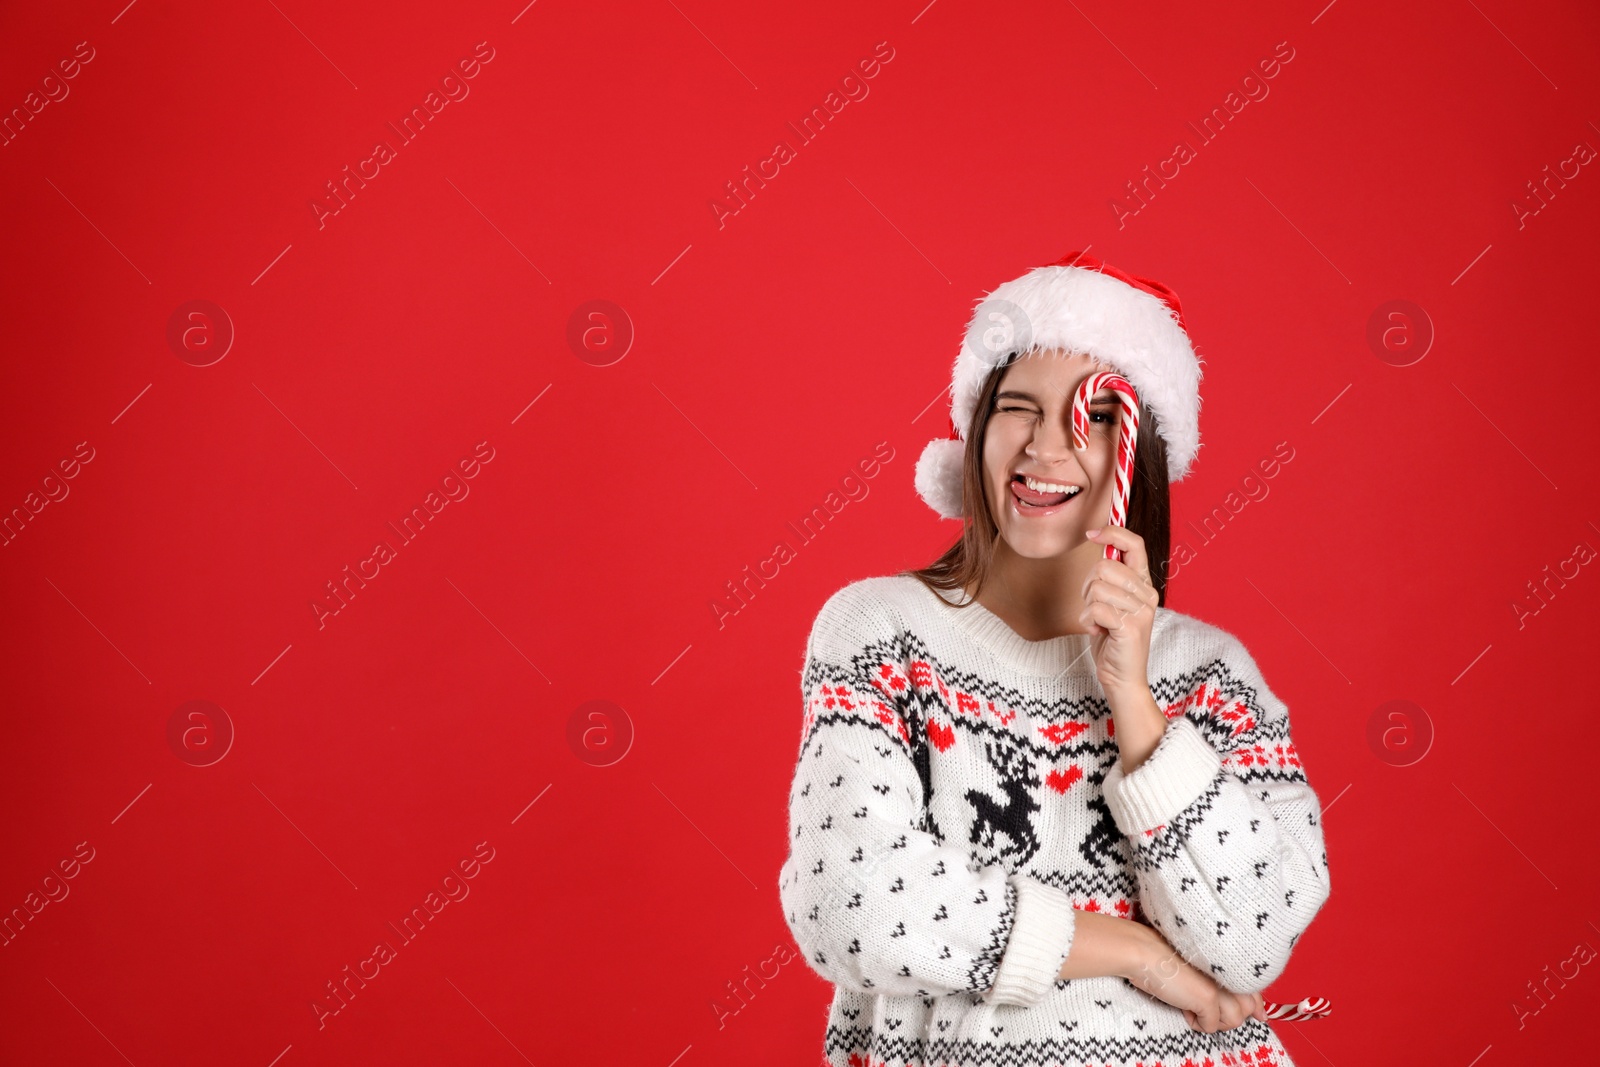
(1032, 543)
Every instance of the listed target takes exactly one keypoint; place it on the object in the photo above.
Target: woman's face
(1030, 434)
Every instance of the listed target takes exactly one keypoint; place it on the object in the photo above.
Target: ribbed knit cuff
(1041, 938)
(1178, 771)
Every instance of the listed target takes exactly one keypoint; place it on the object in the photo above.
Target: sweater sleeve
(1226, 830)
(876, 902)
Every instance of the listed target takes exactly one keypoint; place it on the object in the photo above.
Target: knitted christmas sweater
(958, 797)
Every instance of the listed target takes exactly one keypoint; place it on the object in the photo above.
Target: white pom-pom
(938, 478)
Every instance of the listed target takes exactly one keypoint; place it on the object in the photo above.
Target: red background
(771, 354)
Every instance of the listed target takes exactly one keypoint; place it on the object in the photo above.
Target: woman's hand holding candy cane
(1119, 598)
(1120, 608)
(1120, 605)
(1167, 976)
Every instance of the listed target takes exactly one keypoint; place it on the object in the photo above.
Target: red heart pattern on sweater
(1061, 780)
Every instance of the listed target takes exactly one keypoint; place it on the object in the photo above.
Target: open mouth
(1032, 494)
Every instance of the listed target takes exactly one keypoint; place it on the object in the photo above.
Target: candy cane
(1309, 1008)
(1127, 438)
(1127, 441)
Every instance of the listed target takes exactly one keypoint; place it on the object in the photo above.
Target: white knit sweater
(958, 796)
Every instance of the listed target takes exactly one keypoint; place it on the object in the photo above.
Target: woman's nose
(1052, 440)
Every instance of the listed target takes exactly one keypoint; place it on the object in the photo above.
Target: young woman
(1037, 816)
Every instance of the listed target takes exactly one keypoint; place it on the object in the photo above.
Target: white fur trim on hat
(1084, 311)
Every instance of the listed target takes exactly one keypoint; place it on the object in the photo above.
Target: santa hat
(1081, 305)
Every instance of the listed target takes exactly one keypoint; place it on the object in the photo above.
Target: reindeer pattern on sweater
(958, 798)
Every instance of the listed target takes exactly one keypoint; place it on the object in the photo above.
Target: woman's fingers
(1130, 544)
(1229, 1011)
(1119, 600)
(1113, 583)
(1117, 575)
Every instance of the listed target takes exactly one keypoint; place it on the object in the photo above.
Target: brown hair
(967, 561)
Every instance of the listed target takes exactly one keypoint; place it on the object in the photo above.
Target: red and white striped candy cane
(1127, 439)
(1309, 1008)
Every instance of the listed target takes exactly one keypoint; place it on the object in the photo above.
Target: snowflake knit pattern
(959, 797)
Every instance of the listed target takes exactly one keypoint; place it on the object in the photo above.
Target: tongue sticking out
(1043, 500)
